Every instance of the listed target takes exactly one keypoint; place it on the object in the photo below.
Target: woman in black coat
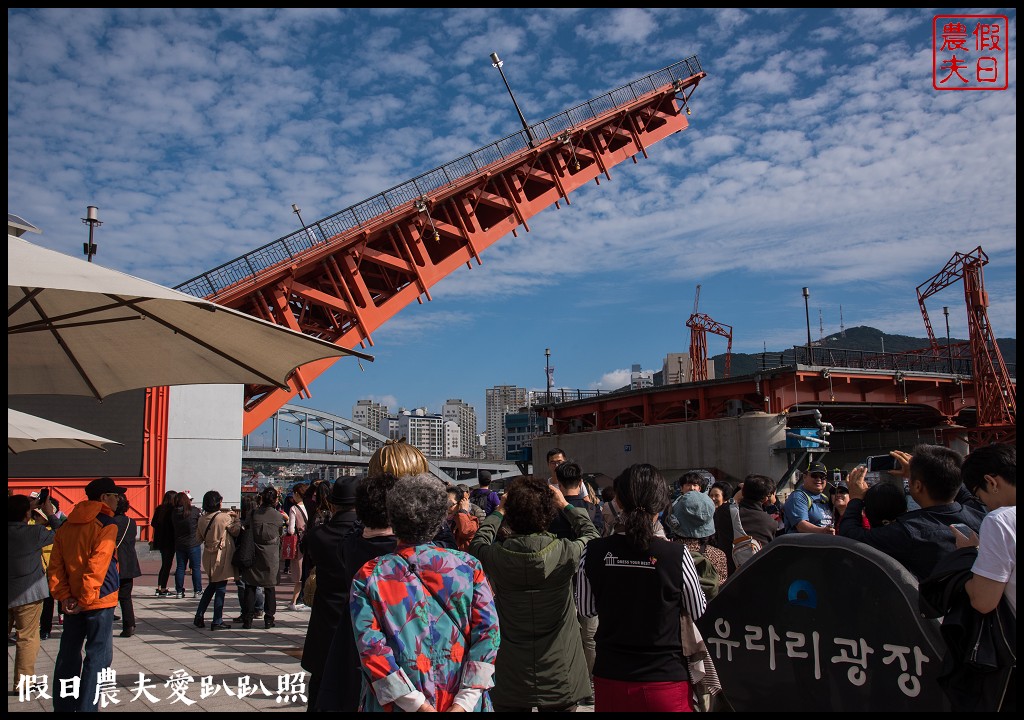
(187, 548)
(266, 525)
(163, 540)
(127, 564)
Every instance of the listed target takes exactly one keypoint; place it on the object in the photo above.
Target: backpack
(245, 549)
(710, 580)
(483, 499)
(744, 547)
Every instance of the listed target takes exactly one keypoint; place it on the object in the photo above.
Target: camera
(44, 495)
(881, 463)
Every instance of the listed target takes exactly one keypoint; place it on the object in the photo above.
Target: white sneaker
(298, 607)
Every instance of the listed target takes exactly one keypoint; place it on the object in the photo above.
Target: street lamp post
(807, 314)
(92, 220)
(547, 371)
(497, 62)
(949, 348)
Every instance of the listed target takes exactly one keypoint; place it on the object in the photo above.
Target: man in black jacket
(918, 539)
(754, 494)
(330, 603)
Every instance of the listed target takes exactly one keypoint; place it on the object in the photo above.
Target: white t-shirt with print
(997, 551)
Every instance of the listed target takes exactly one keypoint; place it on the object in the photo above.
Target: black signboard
(818, 623)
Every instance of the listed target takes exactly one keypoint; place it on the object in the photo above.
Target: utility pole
(807, 315)
(949, 348)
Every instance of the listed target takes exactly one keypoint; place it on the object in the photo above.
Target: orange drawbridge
(342, 277)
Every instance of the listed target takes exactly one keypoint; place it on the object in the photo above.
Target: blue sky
(818, 155)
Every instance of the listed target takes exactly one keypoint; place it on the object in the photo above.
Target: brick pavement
(165, 641)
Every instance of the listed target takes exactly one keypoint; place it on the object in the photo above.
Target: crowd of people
(547, 595)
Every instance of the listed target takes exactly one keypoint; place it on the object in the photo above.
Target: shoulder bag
(744, 547)
(438, 600)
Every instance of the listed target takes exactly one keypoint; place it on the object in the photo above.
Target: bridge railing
(287, 248)
(926, 361)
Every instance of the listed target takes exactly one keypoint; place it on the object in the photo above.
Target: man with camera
(917, 539)
(26, 579)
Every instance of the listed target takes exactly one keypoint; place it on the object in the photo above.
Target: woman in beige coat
(216, 531)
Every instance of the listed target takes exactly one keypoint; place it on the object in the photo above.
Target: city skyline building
(369, 414)
(501, 399)
(464, 416)
(423, 430)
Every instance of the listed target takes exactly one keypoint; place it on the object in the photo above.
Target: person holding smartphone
(918, 539)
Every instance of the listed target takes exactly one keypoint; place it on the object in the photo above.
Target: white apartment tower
(500, 400)
(423, 430)
(463, 415)
(369, 414)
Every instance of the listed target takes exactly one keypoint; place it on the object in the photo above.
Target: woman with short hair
(644, 588)
(216, 531)
(541, 663)
(431, 645)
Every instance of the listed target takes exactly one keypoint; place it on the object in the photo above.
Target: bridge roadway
(461, 470)
(347, 443)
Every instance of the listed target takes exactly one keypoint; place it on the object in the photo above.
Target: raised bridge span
(341, 277)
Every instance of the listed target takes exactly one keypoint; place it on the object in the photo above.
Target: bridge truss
(342, 277)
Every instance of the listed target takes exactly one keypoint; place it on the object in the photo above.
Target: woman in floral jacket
(425, 624)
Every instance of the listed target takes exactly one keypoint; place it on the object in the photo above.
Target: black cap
(840, 489)
(102, 486)
(344, 490)
(817, 467)
(483, 475)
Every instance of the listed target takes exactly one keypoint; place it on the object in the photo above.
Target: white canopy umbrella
(29, 432)
(76, 328)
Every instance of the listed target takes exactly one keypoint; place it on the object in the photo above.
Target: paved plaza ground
(166, 644)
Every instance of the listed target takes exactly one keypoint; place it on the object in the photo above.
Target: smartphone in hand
(962, 529)
(881, 463)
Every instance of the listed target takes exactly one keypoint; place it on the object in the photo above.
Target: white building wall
(204, 441)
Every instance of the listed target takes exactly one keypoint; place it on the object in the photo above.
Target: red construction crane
(700, 325)
(996, 394)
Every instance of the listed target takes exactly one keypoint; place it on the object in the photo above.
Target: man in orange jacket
(83, 579)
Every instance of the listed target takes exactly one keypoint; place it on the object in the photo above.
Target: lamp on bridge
(807, 314)
(92, 220)
(949, 348)
(497, 62)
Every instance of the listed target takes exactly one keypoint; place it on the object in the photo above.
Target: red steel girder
(344, 289)
(776, 391)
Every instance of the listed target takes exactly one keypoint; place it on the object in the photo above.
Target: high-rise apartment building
(464, 415)
(369, 414)
(501, 399)
(423, 430)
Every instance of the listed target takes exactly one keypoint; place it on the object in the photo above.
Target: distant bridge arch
(346, 442)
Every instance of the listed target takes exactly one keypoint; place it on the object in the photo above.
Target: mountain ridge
(861, 338)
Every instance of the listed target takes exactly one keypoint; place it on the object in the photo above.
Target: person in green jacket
(540, 663)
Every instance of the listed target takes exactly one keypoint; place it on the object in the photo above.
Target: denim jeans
(216, 590)
(93, 629)
(240, 584)
(193, 556)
